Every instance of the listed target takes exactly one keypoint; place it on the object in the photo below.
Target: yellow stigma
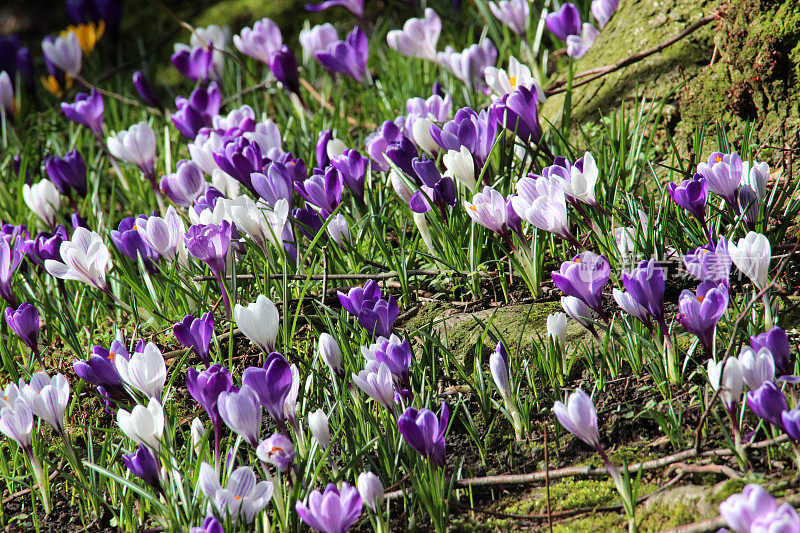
(111, 356)
(718, 159)
(135, 226)
(237, 498)
(700, 299)
(576, 260)
(513, 81)
(87, 34)
(275, 449)
(472, 206)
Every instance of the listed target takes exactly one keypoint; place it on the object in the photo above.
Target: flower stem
(41, 480)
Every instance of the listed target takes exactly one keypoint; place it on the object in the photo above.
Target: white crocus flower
(421, 134)
(752, 255)
(145, 371)
(202, 150)
(502, 82)
(399, 185)
(756, 178)
(331, 353)
(259, 322)
(64, 52)
(85, 257)
(757, 367)
(460, 166)
(418, 37)
(339, 230)
(541, 202)
(241, 498)
(258, 222)
(377, 382)
(290, 403)
(268, 138)
(143, 425)
(225, 183)
(47, 397)
(728, 381)
(581, 185)
(578, 45)
(557, 328)
(43, 199)
(318, 422)
(7, 104)
(165, 235)
(136, 145)
(16, 422)
(198, 430)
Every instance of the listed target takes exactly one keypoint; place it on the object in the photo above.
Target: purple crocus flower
(144, 465)
(355, 298)
(207, 386)
(475, 131)
(603, 10)
(130, 244)
(518, 112)
(333, 511)
(86, 111)
(395, 353)
(185, 184)
(283, 65)
(512, 13)
(146, 90)
(209, 243)
(378, 316)
(239, 158)
(46, 245)
(193, 63)
(197, 111)
(196, 333)
(723, 173)
(791, 424)
(353, 167)
(700, 311)
(241, 411)
(348, 57)
(424, 432)
(323, 190)
(740, 510)
(271, 383)
(776, 341)
(584, 277)
(579, 417)
(210, 525)
(321, 150)
(491, 210)
(439, 189)
(710, 262)
(278, 450)
(645, 284)
(308, 221)
(68, 173)
(356, 7)
(565, 22)
(10, 257)
(768, 402)
(378, 142)
(24, 321)
(402, 154)
(692, 195)
(99, 369)
(469, 65)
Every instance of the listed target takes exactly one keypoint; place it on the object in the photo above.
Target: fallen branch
(380, 275)
(599, 72)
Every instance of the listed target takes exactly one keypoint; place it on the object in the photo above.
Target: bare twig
(595, 73)
(356, 276)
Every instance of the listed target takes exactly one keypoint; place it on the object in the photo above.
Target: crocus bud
(86, 111)
(579, 417)
(143, 465)
(498, 364)
(791, 424)
(578, 310)
(43, 199)
(752, 255)
(197, 431)
(318, 422)
(67, 173)
(146, 371)
(7, 104)
(371, 490)
(241, 411)
(24, 321)
(259, 322)
(146, 90)
(64, 52)
(557, 328)
(421, 133)
(331, 354)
